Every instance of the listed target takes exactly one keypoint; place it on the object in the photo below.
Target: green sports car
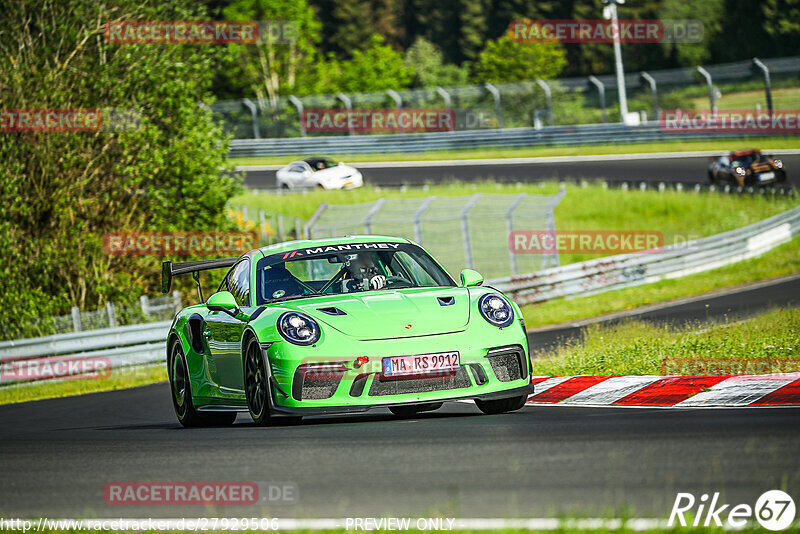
(342, 325)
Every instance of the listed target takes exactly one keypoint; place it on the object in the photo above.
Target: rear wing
(170, 270)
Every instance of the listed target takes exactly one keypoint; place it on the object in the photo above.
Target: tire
(181, 393)
(256, 388)
(410, 410)
(711, 178)
(492, 407)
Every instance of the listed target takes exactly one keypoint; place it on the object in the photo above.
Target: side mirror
(470, 278)
(223, 302)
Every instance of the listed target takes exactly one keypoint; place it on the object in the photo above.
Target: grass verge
(120, 379)
(782, 260)
(637, 348)
(771, 143)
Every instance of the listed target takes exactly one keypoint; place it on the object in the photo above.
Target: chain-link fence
(465, 231)
(539, 103)
(149, 309)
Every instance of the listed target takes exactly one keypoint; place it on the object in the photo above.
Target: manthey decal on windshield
(336, 248)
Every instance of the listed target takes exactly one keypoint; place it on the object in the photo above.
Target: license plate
(766, 176)
(421, 364)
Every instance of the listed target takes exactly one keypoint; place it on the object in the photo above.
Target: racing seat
(278, 278)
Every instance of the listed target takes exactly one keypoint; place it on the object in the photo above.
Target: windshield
(351, 268)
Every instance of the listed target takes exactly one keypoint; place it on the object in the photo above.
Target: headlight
(740, 170)
(496, 310)
(298, 328)
(778, 164)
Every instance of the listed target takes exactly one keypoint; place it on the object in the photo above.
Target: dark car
(746, 167)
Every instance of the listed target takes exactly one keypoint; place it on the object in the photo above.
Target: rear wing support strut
(169, 270)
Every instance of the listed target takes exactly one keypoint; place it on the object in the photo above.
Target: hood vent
(446, 301)
(332, 310)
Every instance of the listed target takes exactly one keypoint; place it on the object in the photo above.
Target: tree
(275, 67)
(426, 62)
(63, 191)
(378, 68)
(504, 60)
(707, 12)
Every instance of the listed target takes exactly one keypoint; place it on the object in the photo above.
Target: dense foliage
(63, 191)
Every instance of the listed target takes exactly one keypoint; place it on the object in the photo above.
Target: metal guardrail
(468, 139)
(145, 343)
(673, 261)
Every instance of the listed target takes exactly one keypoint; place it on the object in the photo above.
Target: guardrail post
(111, 312)
(297, 103)
(254, 113)
(396, 97)
(652, 81)
(371, 213)
(510, 228)
(76, 318)
(465, 229)
(497, 109)
(601, 89)
(703, 72)
(349, 106)
(767, 85)
(418, 216)
(546, 88)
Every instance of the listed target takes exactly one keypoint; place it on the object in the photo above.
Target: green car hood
(392, 314)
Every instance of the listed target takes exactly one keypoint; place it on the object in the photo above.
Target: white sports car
(319, 172)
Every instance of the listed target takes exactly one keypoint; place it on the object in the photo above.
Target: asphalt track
(686, 170)
(57, 455)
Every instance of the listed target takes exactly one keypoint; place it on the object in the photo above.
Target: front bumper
(498, 369)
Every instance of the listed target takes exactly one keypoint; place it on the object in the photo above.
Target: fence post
(262, 221)
(465, 229)
(707, 76)
(601, 89)
(281, 233)
(653, 89)
(176, 299)
(510, 228)
(297, 230)
(418, 216)
(445, 96)
(548, 95)
(112, 314)
(767, 85)
(372, 212)
(76, 319)
(145, 304)
(497, 109)
(396, 97)
(311, 222)
(299, 106)
(254, 113)
(349, 106)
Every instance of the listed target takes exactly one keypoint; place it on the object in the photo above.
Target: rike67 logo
(774, 510)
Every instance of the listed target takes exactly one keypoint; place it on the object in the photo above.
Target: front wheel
(256, 388)
(492, 407)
